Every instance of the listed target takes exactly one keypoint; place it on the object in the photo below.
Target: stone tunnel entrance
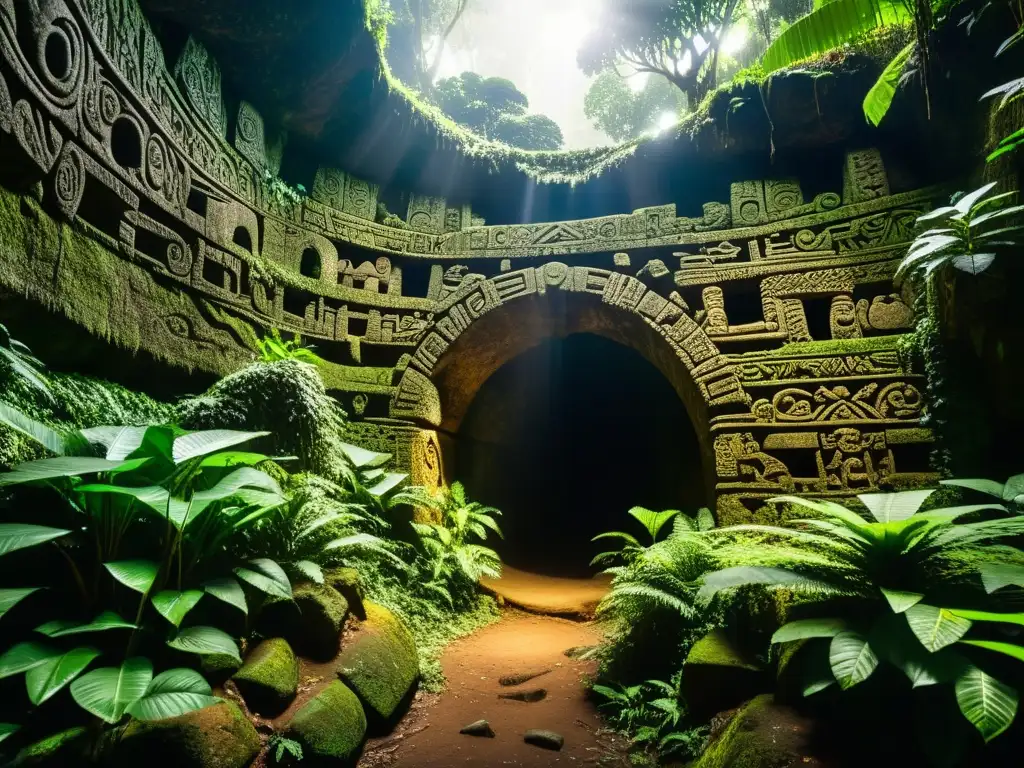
(564, 439)
(564, 411)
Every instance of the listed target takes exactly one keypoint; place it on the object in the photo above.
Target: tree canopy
(418, 35)
(674, 39)
(615, 108)
(496, 109)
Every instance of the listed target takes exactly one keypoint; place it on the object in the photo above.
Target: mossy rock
(762, 734)
(718, 676)
(218, 667)
(330, 727)
(311, 622)
(380, 663)
(269, 678)
(216, 737)
(60, 749)
(349, 582)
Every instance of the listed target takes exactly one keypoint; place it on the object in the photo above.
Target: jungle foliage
(131, 552)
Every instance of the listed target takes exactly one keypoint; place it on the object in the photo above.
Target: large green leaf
(852, 659)
(240, 459)
(807, 628)
(267, 576)
(173, 693)
(25, 656)
(24, 365)
(1000, 618)
(991, 487)
(108, 692)
(196, 444)
(744, 575)
(15, 536)
(986, 702)
(11, 597)
(51, 469)
(998, 575)
(46, 679)
(119, 442)
(152, 496)
(7, 730)
(174, 606)
(935, 627)
(205, 641)
(49, 438)
(138, 575)
(229, 591)
(105, 621)
(893, 507)
(1007, 649)
(827, 27)
(901, 602)
(362, 458)
(388, 483)
(651, 520)
(235, 485)
(879, 97)
(309, 570)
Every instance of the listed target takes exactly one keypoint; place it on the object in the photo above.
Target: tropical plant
(143, 520)
(371, 486)
(319, 526)
(452, 559)
(652, 522)
(19, 360)
(1011, 492)
(273, 348)
(652, 713)
(903, 588)
(1009, 92)
(284, 749)
(970, 233)
(614, 107)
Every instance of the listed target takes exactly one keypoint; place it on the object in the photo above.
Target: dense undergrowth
(171, 527)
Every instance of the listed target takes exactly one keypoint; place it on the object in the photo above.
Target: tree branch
(432, 72)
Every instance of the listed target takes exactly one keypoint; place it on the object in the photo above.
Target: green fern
(273, 348)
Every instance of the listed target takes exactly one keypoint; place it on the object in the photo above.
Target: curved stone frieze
(772, 307)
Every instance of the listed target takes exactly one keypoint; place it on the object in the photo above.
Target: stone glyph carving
(885, 313)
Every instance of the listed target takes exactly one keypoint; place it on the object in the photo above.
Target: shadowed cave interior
(560, 439)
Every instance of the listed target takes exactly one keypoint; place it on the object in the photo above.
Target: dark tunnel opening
(564, 439)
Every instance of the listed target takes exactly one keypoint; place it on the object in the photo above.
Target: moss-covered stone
(718, 676)
(349, 582)
(380, 663)
(218, 667)
(60, 749)
(311, 622)
(762, 734)
(216, 737)
(269, 678)
(330, 727)
(286, 398)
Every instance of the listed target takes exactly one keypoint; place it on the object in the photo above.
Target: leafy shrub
(451, 562)
(903, 588)
(971, 233)
(287, 400)
(142, 522)
(273, 348)
(653, 522)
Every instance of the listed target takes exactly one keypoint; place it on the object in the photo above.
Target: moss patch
(216, 736)
(286, 398)
(762, 734)
(349, 583)
(311, 621)
(269, 678)
(64, 748)
(380, 662)
(330, 727)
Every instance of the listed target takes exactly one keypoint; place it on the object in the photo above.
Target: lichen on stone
(269, 677)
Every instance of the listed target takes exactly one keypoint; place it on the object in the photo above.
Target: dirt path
(547, 594)
(520, 644)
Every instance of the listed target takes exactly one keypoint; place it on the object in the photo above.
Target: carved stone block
(249, 137)
(864, 177)
(198, 74)
(427, 214)
(748, 204)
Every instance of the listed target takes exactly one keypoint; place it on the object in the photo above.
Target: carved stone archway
(491, 321)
